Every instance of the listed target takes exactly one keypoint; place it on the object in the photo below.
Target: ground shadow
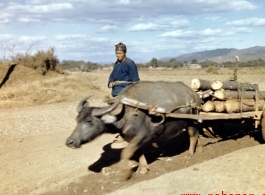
(109, 157)
(8, 73)
(236, 129)
(167, 148)
(163, 148)
(231, 130)
(108, 180)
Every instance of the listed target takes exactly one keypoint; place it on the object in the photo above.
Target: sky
(89, 29)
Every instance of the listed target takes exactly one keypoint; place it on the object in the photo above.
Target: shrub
(42, 61)
(213, 70)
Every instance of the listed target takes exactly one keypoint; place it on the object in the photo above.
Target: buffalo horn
(104, 110)
(82, 103)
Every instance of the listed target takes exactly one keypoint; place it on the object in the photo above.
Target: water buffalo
(142, 122)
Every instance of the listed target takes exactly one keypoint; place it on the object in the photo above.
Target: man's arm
(111, 79)
(133, 73)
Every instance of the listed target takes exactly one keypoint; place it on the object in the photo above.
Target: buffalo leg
(126, 154)
(263, 125)
(143, 166)
(194, 139)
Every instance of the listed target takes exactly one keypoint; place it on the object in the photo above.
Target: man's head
(120, 50)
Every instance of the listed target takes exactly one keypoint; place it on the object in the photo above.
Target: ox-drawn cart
(147, 111)
(245, 94)
(258, 115)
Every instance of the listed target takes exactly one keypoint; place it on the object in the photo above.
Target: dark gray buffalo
(138, 114)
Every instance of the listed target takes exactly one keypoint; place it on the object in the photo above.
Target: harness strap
(120, 82)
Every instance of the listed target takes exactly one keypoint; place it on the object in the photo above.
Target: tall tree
(154, 62)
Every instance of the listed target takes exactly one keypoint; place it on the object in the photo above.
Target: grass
(25, 87)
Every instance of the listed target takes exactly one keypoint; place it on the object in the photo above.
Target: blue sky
(89, 29)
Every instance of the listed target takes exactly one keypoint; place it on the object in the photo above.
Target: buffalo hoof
(200, 149)
(125, 175)
(188, 156)
(142, 169)
(119, 145)
(125, 170)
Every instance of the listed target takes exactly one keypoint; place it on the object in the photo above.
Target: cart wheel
(263, 124)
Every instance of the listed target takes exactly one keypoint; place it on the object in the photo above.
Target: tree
(194, 61)
(172, 60)
(154, 62)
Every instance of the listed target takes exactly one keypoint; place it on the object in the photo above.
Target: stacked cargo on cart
(230, 97)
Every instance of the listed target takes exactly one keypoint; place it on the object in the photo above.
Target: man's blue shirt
(123, 71)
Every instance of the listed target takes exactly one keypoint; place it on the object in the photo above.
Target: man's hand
(111, 84)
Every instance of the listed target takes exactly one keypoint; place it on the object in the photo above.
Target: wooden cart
(258, 115)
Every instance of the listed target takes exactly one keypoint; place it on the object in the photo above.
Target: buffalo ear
(108, 118)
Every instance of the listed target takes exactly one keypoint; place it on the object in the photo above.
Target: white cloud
(213, 18)
(247, 22)
(4, 18)
(4, 15)
(108, 28)
(99, 40)
(210, 32)
(70, 37)
(117, 12)
(30, 39)
(241, 5)
(78, 41)
(238, 30)
(6, 37)
(189, 34)
(27, 20)
(142, 27)
(4, 21)
(125, 1)
(20, 44)
(51, 8)
(73, 27)
(162, 23)
(224, 5)
(40, 9)
(203, 47)
(19, 41)
(177, 34)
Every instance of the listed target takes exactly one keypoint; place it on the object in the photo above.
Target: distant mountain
(139, 60)
(223, 55)
(136, 60)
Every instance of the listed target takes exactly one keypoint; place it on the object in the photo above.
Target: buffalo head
(90, 122)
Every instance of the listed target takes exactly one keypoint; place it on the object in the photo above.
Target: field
(37, 114)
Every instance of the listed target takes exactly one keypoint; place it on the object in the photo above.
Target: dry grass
(25, 87)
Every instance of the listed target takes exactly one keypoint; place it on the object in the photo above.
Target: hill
(21, 86)
(225, 54)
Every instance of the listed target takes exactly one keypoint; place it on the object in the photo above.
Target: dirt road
(33, 156)
(35, 160)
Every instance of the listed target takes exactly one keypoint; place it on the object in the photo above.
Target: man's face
(120, 55)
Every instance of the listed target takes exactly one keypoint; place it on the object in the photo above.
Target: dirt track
(35, 160)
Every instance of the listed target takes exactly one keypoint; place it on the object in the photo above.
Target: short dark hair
(121, 47)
